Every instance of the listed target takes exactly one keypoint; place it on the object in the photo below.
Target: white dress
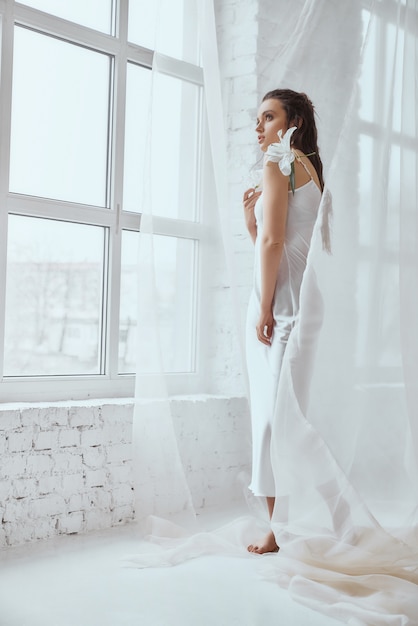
(264, 362)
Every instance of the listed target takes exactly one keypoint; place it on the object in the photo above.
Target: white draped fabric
(346, 463)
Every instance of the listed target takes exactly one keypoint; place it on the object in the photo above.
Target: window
(59, 145)
(175, 263)
(176, 35)
(54, 297)
(97, 14)
(76, 89)
(174, 134)
(380, 109)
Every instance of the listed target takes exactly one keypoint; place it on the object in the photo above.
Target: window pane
(95, 14)
(367, 148)
(368, 71)
(137, 117)
(59, 135)
(168, 26)
(174, 260)
(395, 64)
(128, 315)
(174, 147)
(171, 146)
(54, 297)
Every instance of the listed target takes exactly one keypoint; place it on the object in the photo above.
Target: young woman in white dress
(280, 220)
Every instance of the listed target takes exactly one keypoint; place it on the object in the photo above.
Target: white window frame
(110, 384)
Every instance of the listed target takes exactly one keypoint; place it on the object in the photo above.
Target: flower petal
(281, 152)
(285, 166)
(274, 152)
(285, 141)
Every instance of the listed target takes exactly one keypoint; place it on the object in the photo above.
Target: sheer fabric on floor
(345, 458)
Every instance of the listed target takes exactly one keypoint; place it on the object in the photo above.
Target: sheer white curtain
(346, 465)
(346, 515)
(176, 173)
(162, 338)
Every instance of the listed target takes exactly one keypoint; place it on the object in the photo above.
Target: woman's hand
(249, 199)
(265, 327)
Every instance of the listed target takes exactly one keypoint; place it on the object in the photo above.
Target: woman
(280, 220)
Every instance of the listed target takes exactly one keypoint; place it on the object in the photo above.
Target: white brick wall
(214, 445)
(60, 472)
(69, 469)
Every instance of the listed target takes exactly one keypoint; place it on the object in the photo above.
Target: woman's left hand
(265, 327)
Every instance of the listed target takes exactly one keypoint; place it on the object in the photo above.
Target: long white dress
(264, 362)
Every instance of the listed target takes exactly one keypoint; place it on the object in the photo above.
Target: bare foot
(268, 544)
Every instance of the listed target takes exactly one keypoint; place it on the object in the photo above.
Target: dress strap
(306, 168)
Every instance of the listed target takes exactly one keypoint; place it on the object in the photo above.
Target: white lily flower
(281, 152)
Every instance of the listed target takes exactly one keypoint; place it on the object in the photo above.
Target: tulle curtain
(160, 483)
(178, 181)
(345, 462)
(345, 458)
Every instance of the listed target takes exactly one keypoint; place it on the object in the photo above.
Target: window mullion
(5, 117)
(64, 29)
(178, 228)
(116, 200)
(178, 69)
(59, 210)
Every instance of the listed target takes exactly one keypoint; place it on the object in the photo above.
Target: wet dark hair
(300, 111)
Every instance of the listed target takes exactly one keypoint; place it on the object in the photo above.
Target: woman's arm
(275, 201)
(249, 199)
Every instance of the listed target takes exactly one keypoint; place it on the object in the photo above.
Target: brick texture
(73, 475)
(58, 470)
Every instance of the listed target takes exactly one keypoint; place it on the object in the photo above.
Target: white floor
(81, 581)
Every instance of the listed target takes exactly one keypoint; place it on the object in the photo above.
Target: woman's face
(271, 118)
